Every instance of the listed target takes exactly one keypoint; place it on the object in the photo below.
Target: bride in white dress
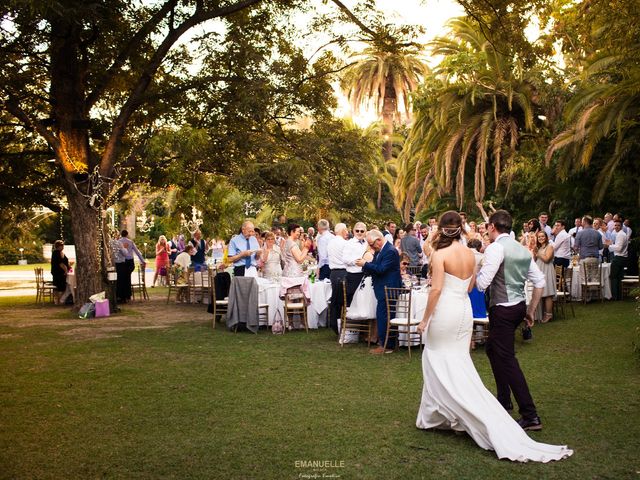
(454, 396)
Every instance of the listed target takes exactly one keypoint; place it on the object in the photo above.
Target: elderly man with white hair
(335, 251)
(322, 242)
(385, 271)
(243, 248)
(354, 250)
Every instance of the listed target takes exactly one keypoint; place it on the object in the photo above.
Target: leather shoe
(508, 407)
(530, 424)
(379, 351)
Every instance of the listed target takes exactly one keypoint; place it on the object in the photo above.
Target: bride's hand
(422, 326)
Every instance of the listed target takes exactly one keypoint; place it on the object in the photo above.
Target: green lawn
(190, 402)
(28, 267)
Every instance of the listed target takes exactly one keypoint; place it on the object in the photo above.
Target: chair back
(295, 295)
(592, 273)
(415, 270)
(39, 276)
(141, 274)
(398, 302)
(560, 284)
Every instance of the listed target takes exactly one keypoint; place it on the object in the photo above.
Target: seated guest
(405, 261)
(184, 261)
(242, 250)
(59, 269)
(293, 255)
(271, 257)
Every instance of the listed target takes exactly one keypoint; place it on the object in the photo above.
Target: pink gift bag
(102, 308)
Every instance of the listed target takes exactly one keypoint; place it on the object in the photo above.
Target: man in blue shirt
(243, 249)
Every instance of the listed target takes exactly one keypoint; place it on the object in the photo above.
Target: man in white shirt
(627, 229)
(322, 242)
(335, 251)
(543, 218)
(574, 230)
(561, 244)
(389, 232)
(353, 250)
(507, 266)
(619, 262)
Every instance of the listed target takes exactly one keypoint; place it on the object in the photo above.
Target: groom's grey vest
(508, 284)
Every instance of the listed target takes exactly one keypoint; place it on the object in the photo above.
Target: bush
(10, 256)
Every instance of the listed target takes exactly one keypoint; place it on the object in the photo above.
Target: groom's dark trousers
(503, 322)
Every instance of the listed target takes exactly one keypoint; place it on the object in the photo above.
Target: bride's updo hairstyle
(449, 229)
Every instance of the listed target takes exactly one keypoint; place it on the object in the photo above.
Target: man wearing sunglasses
(353, 250)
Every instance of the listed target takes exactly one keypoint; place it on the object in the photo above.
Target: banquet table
(576, 282)
(320, 293)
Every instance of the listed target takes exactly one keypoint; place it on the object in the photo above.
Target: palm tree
(606, 106)
(475, 108)
(384, 75)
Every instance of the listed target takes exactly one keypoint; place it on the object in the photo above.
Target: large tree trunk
(85, 225)
(389, 109)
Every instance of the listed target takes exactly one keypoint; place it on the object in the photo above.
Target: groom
(507, 265)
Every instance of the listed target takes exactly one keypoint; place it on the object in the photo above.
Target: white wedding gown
(454, 396)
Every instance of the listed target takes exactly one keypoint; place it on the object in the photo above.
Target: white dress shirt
(389, 238)
(562, 245)
(335, 251)
(619, 248)
(493, 258)
(322, 243)
(353, 250)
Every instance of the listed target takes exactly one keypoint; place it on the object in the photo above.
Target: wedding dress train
(454, 396)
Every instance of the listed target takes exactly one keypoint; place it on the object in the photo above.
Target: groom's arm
(493, 257)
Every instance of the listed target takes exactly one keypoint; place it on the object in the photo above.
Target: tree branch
(135, 98)
(355, 19)
(14, 108)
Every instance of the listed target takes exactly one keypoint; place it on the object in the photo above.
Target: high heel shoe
(546, 317)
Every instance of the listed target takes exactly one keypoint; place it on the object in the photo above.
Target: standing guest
(626, 226)
(162, 259)
(322, 242)
(181, 243)
(258, 234)
(271, 257)
(173, 249)
(478, 303)
(311, 233)
(573, 231)
(588, 241)
(385, 270)
(335, 251)
(465, 225)
(127, 269)
(200, 245)
(397, 243)
(619, 261)
(600, 226)
(544, 261)
(354, 250)
(424, 234)
(118, 257)
(389, 232)
(507, 266)
(411, 246)
(608, 219)
(293, 254)
(543, 218)
(243, 248)
(561, 244)
(59, 269)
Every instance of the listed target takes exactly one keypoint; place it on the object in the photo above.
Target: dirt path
(153, 314)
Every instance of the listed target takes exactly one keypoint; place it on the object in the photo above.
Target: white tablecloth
(576, 282)
(320, 293)
(418, 306)
(71, 287)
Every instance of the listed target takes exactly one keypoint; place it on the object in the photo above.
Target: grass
(190, 402)
(29, 267)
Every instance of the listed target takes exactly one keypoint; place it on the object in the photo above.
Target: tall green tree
(95, 80)
(472, 113)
